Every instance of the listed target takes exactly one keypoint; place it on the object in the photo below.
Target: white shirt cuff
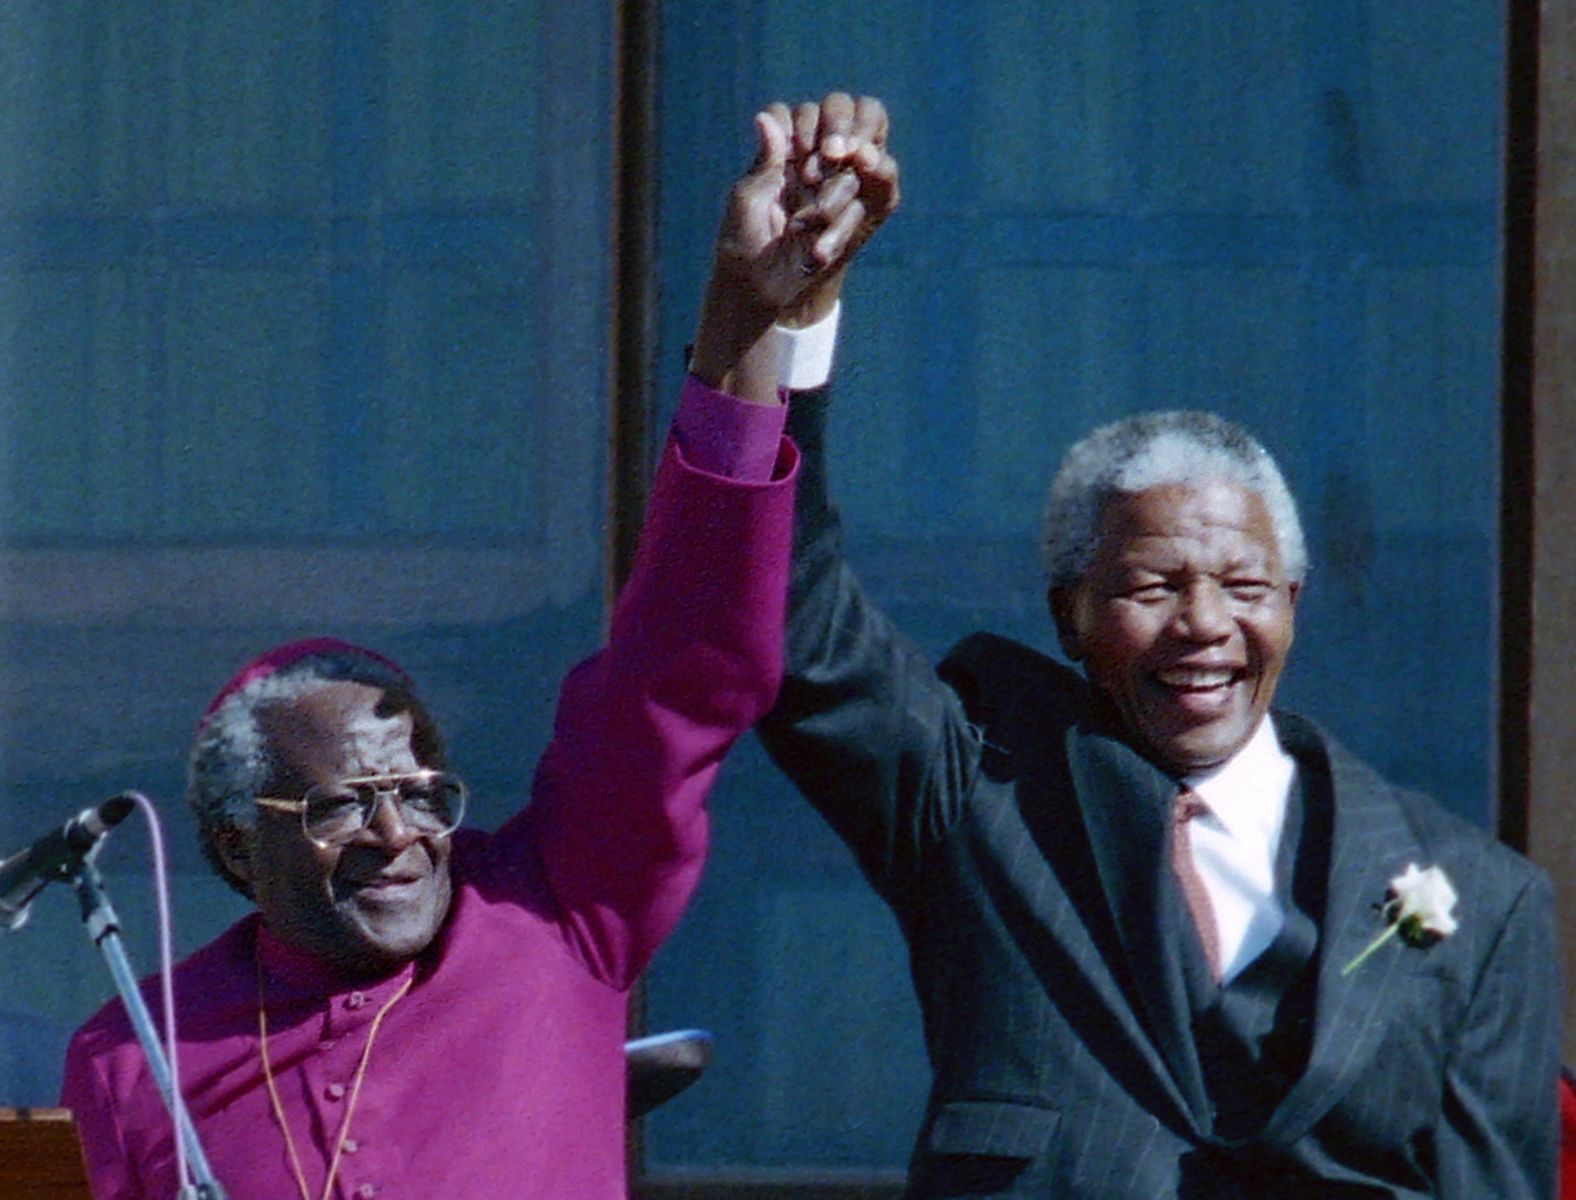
(805, 355)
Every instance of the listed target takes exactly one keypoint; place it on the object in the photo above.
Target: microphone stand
(103, 925)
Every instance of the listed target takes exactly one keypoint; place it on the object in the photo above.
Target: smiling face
(1183, 619)
(378, 900)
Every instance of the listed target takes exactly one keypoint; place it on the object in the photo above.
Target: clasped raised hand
(821, 184)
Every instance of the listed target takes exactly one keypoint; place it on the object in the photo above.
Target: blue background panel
(302, 330)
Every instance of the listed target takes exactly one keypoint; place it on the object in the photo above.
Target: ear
(235, 851)
(1063, 603)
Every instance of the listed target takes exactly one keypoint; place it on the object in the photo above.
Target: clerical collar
(1247, 792)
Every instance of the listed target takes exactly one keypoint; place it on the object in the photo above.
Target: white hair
(1150, 450)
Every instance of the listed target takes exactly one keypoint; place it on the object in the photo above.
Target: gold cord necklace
(355, 1085)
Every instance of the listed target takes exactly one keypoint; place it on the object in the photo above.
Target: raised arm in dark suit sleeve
(863, 727)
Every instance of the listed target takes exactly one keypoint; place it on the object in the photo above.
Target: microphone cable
(161, 894)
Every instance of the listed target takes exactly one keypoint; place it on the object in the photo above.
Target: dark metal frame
(1518, 311)
(1538, 615)
(633, 341)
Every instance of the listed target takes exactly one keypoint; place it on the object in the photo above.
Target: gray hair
(232, 761)
(1150, 450)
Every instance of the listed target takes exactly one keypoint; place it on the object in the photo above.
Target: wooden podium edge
(41, 1155)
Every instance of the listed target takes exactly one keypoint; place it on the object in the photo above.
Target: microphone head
(88, 827)
(117, 808)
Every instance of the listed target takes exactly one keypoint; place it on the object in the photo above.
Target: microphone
(55, 856)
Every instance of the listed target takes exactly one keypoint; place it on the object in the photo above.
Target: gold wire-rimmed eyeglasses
(430, 802)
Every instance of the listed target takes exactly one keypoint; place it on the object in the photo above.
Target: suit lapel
(1126, 806)
(1371, 843)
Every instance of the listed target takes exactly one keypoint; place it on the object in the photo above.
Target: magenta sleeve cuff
(723, 435)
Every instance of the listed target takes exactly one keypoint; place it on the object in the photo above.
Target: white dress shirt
(805, 355)
(1235, 844)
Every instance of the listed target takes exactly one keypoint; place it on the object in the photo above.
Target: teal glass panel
(302, 330)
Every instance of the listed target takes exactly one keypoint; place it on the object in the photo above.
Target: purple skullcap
(280, 657)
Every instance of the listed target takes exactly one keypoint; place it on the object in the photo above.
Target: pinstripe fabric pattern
(1021, 844)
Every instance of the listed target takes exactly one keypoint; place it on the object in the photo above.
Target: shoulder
(992, 675)
(1468, 852)
(204, 980)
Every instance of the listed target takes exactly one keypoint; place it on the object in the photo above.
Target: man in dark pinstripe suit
(1137, 898)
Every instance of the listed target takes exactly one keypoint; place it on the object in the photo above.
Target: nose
(387, 821)
(1202, 613)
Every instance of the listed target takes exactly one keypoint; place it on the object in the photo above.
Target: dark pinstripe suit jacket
(1019, 840)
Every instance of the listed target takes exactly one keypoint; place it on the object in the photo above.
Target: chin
(1198, 750)
(380, 953)
(398, 940)
(377, 941)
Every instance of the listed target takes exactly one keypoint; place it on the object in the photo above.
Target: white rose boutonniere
(1419, 905)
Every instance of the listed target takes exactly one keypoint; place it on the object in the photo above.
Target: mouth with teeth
(1199, 691)
(389, 885)
(386, 889)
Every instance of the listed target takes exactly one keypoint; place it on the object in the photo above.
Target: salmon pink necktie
(1189, 805)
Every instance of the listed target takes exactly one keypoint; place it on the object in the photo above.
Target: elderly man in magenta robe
(417, 1009)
